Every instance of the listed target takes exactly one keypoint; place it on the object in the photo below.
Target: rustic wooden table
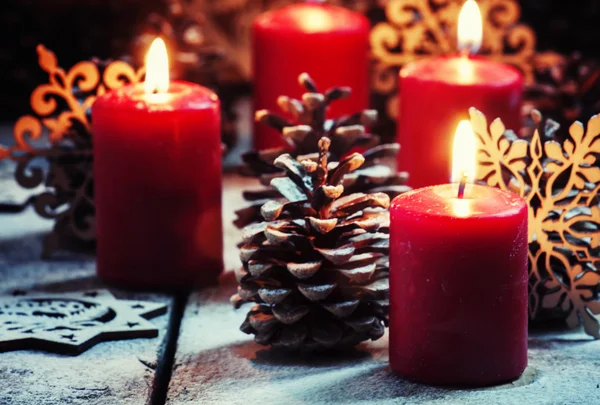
(200, 356)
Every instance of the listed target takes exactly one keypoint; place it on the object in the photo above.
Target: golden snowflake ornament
(417, 29)
(59, 131)
(560, 182)
(65, 100)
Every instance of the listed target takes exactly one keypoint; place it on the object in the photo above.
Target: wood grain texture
(215, 363)
(120, 372)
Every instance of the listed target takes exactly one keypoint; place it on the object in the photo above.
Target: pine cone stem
(346, 134)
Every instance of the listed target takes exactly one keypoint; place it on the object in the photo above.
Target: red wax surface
(329, 43)
(458, 286)
(157, 172)
(436, 95)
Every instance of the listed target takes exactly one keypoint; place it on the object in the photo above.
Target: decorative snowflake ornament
(560, 183)
(59, 131)
(417, 29)
(71, 323)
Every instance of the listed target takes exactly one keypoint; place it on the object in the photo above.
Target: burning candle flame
(464, 156)
(470, 28)
(157, 68)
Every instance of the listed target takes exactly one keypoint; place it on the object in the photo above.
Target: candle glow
(157, 148)
(321, 39)
(157, 68)
(445, 87)
(470, 28)
(316, 21)
(464, 155)
(458, 277)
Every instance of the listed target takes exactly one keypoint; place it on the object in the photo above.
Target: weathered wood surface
(110, 373)
(215, 363)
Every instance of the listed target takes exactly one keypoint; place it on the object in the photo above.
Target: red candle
(458, 285)
(157, 170)
(437, 93)
(330, 43)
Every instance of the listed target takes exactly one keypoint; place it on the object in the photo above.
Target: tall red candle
(435, 95)
(330, 43)
(458, 285)
(157, 171)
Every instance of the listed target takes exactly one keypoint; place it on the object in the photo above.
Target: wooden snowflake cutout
(560, 182)
(59, 131)
(71, 323)
(417, 29)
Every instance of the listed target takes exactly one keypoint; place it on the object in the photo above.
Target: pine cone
(317, 267)
(347, 134)
(566, 88)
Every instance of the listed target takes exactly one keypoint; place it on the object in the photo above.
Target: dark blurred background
(80, 29)
(73, 29)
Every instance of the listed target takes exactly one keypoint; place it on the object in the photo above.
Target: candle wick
(465, 52)
(461, 185)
